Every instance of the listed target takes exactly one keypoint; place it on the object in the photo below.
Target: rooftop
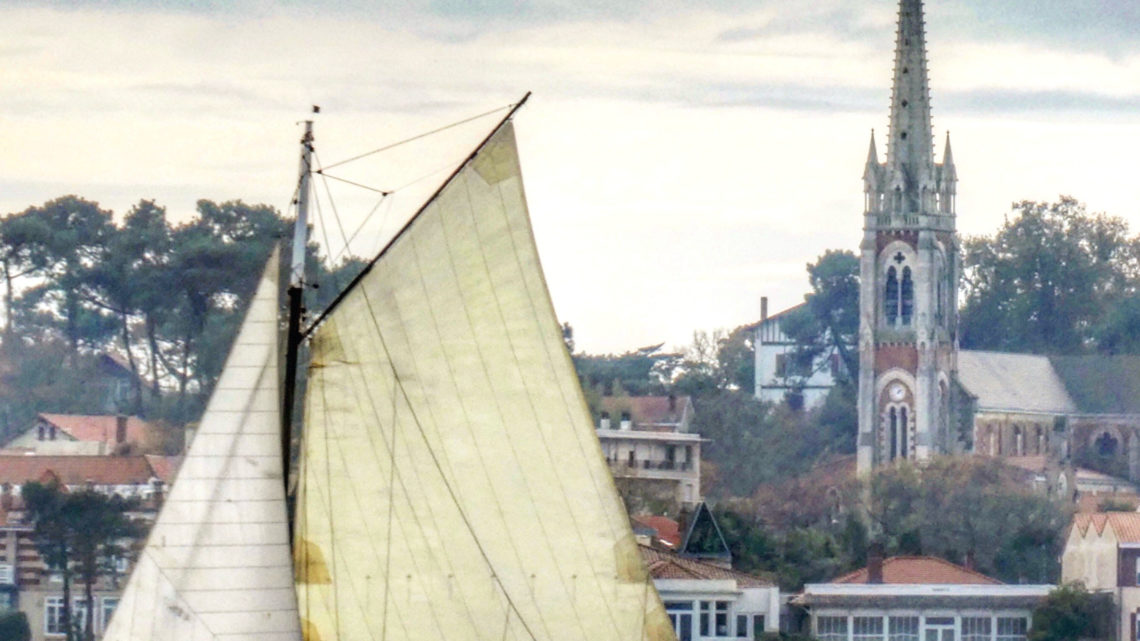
(650, 412)
(1013, 382)
(1125, 525)
(89, 427)
(666, 565)
(920, 570)
(76, 470)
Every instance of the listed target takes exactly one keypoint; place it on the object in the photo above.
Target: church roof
(921, 570)
(1101, 384)
(1013, 382)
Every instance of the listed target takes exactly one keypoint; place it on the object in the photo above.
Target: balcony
(653, 469)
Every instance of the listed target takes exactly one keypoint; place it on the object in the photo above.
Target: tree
(1051, 280)
(828, 322)
(97, 525)
(14, 627)
(1071, 612)
(47, 509)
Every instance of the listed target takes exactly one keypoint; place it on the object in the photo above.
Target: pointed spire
(948, 171)
(870, 172)
(910, 150)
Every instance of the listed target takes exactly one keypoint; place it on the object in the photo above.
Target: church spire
(870, 172)
(948, 171)
(910, 150)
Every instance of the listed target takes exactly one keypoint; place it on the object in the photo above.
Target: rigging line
(336, 213)
(382, 192)
(325, 235)
(367, 268)
(604, 499)
(423, 135)
(451, 371)
(360, 227)
(436, 462)
(495, 393)
(367, 401)
(332, 525)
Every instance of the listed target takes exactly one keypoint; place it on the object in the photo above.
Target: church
(919, 395)
(908, 386)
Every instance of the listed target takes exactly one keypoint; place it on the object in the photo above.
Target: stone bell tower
(908, 321)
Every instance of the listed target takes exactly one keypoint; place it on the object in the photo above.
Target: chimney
(120, 429)
(626, 422)
(604, 423)
(763, 308)
(875, 563)
(6, 497)
(157, 488)
(672, 402)
(971, 560)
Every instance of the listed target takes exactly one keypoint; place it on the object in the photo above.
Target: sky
(681, 159)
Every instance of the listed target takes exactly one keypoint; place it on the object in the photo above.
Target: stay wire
(416, 137)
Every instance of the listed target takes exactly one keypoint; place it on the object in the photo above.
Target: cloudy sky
(682, 158)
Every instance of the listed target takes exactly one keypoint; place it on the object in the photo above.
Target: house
(1102, 550)
(779, 376)
(706, 601)
(82, 434)
(907, 598)
(651, 452)
(25, 582)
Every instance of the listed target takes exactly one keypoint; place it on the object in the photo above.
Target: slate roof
(76, 470)
(87, 427)
(1014, 382)
(921, 570)
(1126, 525)
(648, 412)
(666, 565)
(1101, 384)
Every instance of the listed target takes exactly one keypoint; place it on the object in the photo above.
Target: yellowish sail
(217, 565)
(451, 485)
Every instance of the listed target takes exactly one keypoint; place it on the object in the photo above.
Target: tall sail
(451, 484)
(217, 565)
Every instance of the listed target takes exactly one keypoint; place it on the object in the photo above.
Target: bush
(14, 627)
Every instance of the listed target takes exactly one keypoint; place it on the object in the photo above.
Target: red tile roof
(164, 467)
(84, 427)
(919, 570)
(1126, 525)
(667, 529)
(76, 470)
(666, 565)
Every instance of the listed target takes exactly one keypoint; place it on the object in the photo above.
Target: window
(1012, 628)
(706, 616)
(722, 618)
(757, 626)
(7, 601)
(109, 605)
(976, 629)
(867, 629)
(1137, 571)
(742, 625)
(79, 613)
(898, 294)
(831, 628)
(891, 300)
(7, 576)
(53, 615)
(906, 307)
(681, 615)
(902, 629)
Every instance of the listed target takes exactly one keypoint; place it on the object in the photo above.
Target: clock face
(897, 392)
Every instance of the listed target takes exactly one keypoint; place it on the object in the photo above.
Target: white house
(1103, 552)
(777, 373)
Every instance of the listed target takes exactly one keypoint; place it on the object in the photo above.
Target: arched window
(1106, 445)
(1018, 441)
(904, 426)
(907, 297)
(894, 433)
(891, 300)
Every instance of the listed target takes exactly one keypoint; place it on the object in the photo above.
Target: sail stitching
(534, 411)
(427, 443)
(446, 483)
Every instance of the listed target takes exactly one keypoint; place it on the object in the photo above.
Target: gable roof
(1013, 382)
(97, 427)
(1126, 525)
(921, 570)
(76, 470)
(667, 565)
(1101, 384)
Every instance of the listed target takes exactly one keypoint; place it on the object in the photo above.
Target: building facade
(919, 598)
(1103, 552)
(651, 452)
(779, 375)
(908, 273)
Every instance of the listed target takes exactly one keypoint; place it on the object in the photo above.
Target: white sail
(452, 486)
(217, 565)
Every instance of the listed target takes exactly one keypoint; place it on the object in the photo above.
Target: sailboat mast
(295, 295)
